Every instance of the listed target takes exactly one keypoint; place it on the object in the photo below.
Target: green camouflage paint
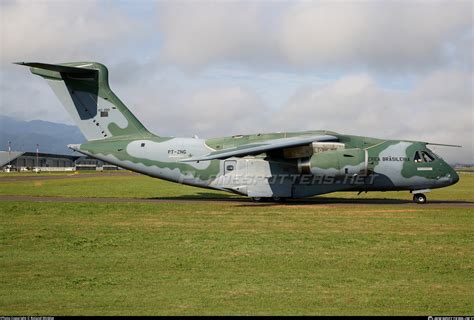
(115, 135)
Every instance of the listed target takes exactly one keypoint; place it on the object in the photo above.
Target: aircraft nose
(448, 175)
(451, 174)
(454, 177)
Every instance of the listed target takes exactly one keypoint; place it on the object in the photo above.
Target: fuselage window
(229, 167)
(427, 157)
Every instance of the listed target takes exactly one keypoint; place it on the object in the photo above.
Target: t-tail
(83, 89)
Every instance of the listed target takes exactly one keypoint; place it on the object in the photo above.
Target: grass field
(140, 186)
(219, 258)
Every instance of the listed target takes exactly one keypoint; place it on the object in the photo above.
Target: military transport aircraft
(264, 166)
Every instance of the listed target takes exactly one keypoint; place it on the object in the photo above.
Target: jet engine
(335, 163)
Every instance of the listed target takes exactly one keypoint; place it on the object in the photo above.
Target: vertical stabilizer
(83, 89)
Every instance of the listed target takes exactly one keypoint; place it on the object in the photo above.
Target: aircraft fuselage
(352, 163)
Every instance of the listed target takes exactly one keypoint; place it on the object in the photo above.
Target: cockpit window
(423, 156)
(417, 157)
(427, 157)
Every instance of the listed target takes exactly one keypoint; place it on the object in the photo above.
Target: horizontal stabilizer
(57, 67)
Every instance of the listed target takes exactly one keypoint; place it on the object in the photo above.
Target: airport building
(29, 161)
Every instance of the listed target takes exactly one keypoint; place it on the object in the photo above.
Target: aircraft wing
(259, 147)
(443, 145)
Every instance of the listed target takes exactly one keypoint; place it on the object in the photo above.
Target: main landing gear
(419, 198)
(272, 199)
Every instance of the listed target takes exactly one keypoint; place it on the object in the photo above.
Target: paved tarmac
(244, 201)
(206, 198)
(55, 176)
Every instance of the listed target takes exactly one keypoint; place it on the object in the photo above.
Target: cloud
(379, 35)
(55, 31)
(389, 36)
(351, 99)
(319, 34)
(283, 65)
(205, 111)
(196, 34)
(438, 109)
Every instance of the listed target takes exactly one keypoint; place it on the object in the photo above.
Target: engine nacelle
(335, 163)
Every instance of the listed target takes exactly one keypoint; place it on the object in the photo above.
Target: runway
(54, 176)
(244, 201)
(205, 197)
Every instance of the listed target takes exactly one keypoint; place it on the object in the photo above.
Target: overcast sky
(388, 69)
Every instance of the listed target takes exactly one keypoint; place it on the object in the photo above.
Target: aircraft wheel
(279, 199)
(257, 199)
(419, 198)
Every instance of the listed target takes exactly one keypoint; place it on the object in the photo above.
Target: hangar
(26, 161)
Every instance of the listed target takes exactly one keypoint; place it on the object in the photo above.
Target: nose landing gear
(419, 198)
